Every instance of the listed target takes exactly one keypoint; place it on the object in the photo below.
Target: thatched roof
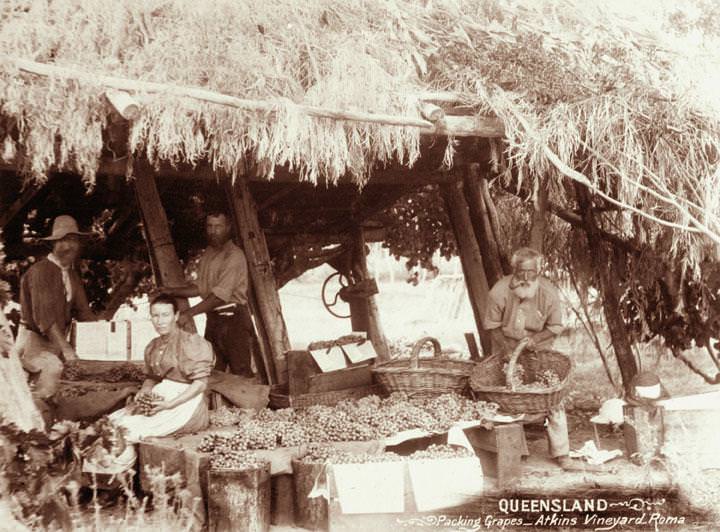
(585, 94)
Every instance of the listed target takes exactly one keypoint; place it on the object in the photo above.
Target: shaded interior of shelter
(297, 217)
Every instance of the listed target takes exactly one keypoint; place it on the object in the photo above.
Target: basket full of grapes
(529, 382)
(427, 376)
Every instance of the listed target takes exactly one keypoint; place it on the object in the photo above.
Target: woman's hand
(159, 406)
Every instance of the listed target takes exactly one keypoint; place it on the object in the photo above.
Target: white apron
(164, 422)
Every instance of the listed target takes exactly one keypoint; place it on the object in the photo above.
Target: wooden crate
(279, 397)
(304, 375)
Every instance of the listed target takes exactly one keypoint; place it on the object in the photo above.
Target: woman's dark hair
(164, 299)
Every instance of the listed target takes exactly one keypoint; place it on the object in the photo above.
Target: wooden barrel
(309, 513)
(239, 500)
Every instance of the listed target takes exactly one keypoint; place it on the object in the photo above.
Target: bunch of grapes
(124, 372)
(549, 378)
(290, 434)
(435, 452)
(235, 460)
(259, 435)
(226, 416)
(283, 414)
(145, 401)
(72, 371)
(327, 454)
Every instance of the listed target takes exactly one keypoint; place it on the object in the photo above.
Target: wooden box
(304, 375)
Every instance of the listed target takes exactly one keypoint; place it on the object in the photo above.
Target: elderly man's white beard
(525, 289)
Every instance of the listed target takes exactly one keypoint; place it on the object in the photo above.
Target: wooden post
(157, 230)
(470, 257)
(260, 269)
(360, 272)
(603, 260)
(539, 217)
(480, 219)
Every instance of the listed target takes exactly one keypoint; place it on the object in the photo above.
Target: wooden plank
(500, 450)
(361, 273)
(472, 346)
(160, 243)
(340, 380)
(470, 256)
(260, 269)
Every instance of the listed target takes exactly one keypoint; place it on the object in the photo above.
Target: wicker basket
(490, 383)
(432, 376)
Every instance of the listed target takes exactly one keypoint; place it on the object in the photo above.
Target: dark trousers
(231, 335)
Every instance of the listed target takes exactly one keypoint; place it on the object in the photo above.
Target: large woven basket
(429, 376)
(490, 383)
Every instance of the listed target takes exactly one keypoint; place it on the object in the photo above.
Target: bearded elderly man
(522, 306)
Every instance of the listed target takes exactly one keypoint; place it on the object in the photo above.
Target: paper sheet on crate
(91, 339)
(102, 340)
(329, 359)
(371, 487)
(360, 352)
(444, 483)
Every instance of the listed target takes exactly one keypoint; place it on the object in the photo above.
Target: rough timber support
(361, 272)
(157, 230)
(474, 185)
(260, 269)
(470, 257)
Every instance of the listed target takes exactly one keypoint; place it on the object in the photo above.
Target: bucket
(239, 499)
(309, 513)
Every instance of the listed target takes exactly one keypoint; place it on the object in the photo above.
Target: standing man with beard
(526, 305)
(222, 283)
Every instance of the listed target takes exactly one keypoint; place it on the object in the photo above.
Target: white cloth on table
(164, 422)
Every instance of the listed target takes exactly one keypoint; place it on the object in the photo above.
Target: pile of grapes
(144, 402)
(227, 416)
(544, 380)
(74, 371)
(327, 454)
(368, 418)
(235, 460)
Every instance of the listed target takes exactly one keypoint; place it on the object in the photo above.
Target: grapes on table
(330, 455)
(364, 419)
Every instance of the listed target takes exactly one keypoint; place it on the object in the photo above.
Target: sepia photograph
(371, 265)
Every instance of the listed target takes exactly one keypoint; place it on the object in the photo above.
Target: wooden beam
(360, 273)
(480, 219)
(453, 126)
(470, 257)
(260, 269)
(160, 243)
(19, 204)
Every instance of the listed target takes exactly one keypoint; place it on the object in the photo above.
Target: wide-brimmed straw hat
(63, 226)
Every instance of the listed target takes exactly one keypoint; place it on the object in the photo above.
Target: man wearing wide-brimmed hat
(51, 294)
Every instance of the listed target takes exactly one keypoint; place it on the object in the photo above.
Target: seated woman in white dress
(178, 364)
